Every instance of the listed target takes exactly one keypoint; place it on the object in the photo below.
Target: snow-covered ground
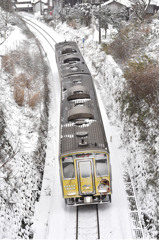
(22, 137)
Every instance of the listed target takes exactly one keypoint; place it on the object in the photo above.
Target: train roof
(81, 124)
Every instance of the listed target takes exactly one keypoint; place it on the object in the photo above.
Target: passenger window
(101, 165)
(68, 167)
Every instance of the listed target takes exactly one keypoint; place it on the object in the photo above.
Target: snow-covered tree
(105, 17)
(140, 7)
(79, 13)
(5, 18)
(6, 5)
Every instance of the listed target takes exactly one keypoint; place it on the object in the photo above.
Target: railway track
(87, 222)
(43, 33)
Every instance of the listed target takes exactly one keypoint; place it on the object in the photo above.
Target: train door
(85, 174)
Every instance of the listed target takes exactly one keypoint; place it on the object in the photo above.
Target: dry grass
(33, 99)
(24, 86)
(19, 95)
(72, 24)
(143, 81)
(106, 48)
(27, 86)
(21, 80)
(8, 64)
(129, 39)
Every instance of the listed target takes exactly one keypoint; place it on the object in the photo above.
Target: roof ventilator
(82, 135)
(78, 92)
(83, 143)
(80, 113)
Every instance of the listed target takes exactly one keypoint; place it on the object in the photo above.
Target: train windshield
(101, 164)
(85, 169)
(68, 167)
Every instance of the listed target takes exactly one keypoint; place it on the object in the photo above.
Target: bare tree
(140, 7)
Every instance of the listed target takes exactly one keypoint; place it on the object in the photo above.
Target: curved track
(42, 31)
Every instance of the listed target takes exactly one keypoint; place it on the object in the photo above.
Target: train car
(84, 154)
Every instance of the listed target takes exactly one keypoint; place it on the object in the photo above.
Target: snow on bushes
(23, 130)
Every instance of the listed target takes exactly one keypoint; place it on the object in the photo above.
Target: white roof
(123, 2)
(27, 5)
(35, 1)
(154, 2)
(22, 1)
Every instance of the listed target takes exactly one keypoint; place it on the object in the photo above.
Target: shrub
(128, 40)
(33, 99)
(8, 64)
(21, 80)
(106, 48)
(19, 95)
(143, 81)
(72, 24)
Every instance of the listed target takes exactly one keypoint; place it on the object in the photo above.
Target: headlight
(71, 194)
(103, 187)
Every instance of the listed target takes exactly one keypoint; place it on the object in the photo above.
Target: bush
(143, 81)
(19, 95)
(106, 48)
(128, 40)
(33, 100)
(8, 64)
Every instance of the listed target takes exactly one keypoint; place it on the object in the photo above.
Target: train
(85, 168)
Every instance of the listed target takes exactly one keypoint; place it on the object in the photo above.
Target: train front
(86, 178)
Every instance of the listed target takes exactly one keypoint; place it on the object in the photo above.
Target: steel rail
(40, 28)
(98, 228)
(32, 25)
(77, 222)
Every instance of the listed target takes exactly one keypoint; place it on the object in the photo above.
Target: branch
(12, 156)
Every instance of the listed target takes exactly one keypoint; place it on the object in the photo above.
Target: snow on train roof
(70, 140)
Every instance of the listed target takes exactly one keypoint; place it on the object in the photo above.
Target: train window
(68, 167)
(85, 169)
(68, 170)
(101, 165)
